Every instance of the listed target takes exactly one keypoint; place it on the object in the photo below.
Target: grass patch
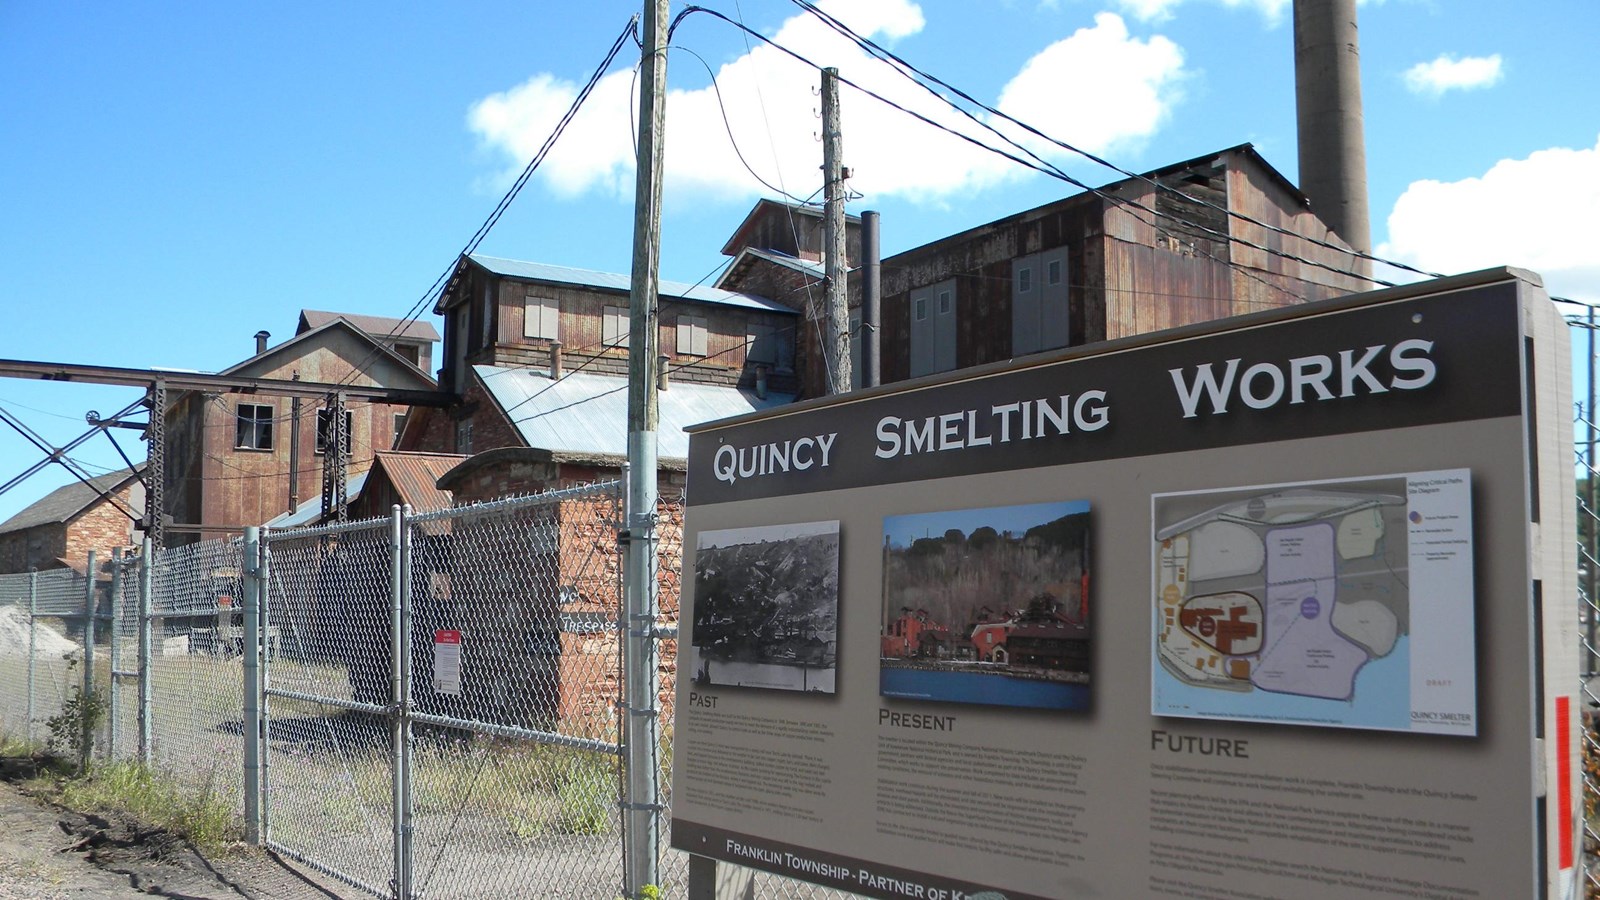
(204, 819)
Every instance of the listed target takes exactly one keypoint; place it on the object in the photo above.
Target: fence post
(146, 577)
(86, 697)
(264, 617)
(407, 826)
(111, 688)
(397, 699)
(251, 652)
(33, 640)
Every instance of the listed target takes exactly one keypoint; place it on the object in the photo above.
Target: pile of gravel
(48, 642)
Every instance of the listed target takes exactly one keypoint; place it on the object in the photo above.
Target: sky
(903, 530)
(175, 177)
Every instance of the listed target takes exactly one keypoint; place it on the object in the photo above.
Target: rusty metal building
(1169, 248)
(234, 460)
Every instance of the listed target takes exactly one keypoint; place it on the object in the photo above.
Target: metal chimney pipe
(661, 371)
(555, 360)
(1333, 154)
(261, 341)
(871, 299)
(761, 382)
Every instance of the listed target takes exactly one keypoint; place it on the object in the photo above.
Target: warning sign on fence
(447, 662)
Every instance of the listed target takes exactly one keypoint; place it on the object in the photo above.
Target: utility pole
(642, 809)
(836, 342)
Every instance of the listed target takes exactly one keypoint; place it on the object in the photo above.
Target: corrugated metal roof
(415, 476)
(310, 511)
(65, 502)
(616, 282)
(584, 413)
(379, 327)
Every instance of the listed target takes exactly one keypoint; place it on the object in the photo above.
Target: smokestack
(1333, 153)
(761, 382)
(261, 342)
(555, 360)
(661, 371)
(871, 299)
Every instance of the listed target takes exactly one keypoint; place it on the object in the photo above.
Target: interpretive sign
(1278, 606)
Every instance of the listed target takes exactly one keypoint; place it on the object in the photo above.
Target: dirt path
(47, 853)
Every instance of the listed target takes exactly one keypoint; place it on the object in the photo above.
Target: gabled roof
(304, 338)
(1246, 152)
(764, 208)
(380, 327)
(748, 256)
(587, 415)
(64, 503)
(618, 283)
(415, 476)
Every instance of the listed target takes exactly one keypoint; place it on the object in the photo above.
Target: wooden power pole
(836, 341)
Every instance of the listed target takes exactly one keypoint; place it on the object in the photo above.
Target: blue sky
(175, 177)
(902, 530)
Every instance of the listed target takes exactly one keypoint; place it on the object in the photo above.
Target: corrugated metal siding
(415, 476)
(588, 414)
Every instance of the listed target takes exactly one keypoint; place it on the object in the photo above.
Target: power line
(1034, 161)
(510, 195)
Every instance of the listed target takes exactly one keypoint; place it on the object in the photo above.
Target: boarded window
(1039, 313)
(761, 344)
(614, 327)
(542, 318)
(253, 429)
(933, 337)
(692, 335)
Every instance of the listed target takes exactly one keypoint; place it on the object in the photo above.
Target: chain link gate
(440, 697)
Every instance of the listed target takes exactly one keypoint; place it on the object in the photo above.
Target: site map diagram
(1271, 602)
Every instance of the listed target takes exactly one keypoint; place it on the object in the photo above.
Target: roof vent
(261, 341)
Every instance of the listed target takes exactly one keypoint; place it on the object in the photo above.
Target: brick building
(59, 529)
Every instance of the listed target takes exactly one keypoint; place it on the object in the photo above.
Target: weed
(585, 795)
(202, 818)
(81, 714)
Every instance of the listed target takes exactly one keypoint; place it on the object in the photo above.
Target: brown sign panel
(1246, 611)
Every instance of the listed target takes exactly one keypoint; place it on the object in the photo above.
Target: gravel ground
(48, 853)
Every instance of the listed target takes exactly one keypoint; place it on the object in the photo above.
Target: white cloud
(1540, 213)
(1450, 74)
(1064, 87)
(1099, 89)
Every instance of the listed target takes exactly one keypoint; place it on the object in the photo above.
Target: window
(325, 426)
(945, 301)
(692, 335)
(411, 353)
(254, 427)
(399, 428)
(614, 327)
(1025, 279)
(922, 308)
(1053, 272)
(464, 436)
(542, 318)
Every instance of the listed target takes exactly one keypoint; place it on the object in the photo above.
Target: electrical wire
(1032, 160)
(439, 284)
